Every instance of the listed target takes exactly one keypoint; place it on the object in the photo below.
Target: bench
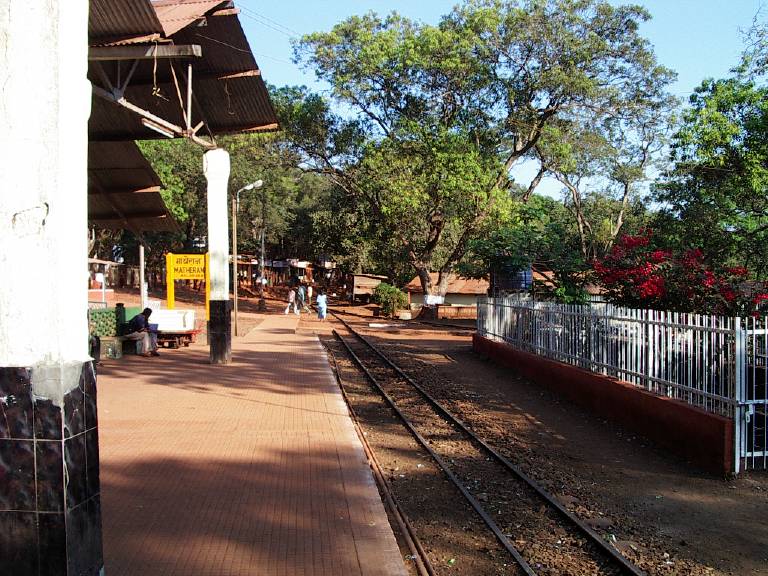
(112, 346)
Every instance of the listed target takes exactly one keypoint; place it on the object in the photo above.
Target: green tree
(179, 164)
(283, 208)
(715, 196)
(440, 114)
(390, 298)
(604, 164)
(542, 234)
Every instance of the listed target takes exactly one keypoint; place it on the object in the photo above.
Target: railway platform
(253, 468)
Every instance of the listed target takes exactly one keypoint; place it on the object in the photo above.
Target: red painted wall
(704, 439)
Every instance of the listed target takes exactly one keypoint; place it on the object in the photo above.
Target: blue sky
(696, 38)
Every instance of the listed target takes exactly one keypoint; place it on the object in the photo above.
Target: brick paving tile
(252, 468)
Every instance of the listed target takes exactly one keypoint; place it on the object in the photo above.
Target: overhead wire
(260, 55)
(269, 22)
(222, 43)
(245, 12)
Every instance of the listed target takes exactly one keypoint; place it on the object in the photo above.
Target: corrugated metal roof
(118, 20)
(229, 91)
(456, 284)
(177, 14)
(123, 189)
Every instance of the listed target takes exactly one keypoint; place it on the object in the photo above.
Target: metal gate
(751, 417)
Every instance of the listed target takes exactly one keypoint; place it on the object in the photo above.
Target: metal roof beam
(153, 52)
(203, 76)
(150, 119)
(120, 101)
(226, 12)
(259, 128)
(127, 190)
(109, 218)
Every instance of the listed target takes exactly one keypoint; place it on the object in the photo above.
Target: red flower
(598, 267)
(759, 298)
(692, 257)
(653, 287)
(737, 271)
(728, 293)
(630, 242)
(659, 255)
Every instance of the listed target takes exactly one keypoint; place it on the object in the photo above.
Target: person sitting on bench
(138, 329)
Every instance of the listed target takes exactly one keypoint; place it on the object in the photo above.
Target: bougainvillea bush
(637, 273)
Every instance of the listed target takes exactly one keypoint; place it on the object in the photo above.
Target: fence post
(738, 391)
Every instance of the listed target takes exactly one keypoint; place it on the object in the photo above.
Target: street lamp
(235, 205)
(262, 305)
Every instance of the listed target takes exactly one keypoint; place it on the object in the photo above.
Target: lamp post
(262, 306)
(235, 205)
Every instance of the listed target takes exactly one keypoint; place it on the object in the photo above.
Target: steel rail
(423, 566)
(405, 322)
(446, 325)
(626, 566)
(500, 536)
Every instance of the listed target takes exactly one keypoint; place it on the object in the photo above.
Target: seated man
(138, 329)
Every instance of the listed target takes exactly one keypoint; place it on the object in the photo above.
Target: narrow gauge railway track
(405, 323)
(540, 534)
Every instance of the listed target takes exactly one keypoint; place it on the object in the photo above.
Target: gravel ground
(454, 537)
(666, 516)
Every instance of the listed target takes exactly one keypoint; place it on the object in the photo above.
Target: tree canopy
(438, 115)
(285, 207)
(715, 194)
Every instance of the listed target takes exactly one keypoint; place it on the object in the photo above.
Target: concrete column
(216, 169)
(50, 512)
(142, 278)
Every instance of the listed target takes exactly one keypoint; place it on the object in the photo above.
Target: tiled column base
(50, 511)
(220, 331)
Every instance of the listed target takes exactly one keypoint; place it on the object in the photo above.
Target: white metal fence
(752, 394)
(716, 363)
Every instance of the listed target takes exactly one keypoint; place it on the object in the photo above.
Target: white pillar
(43, 175)
(142, 278)
(216, 169)
(51, 435)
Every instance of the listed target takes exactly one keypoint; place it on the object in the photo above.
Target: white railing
(717, 363)
(752, 394)
(689, 357)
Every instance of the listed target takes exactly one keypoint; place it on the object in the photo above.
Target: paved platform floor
(248, 469)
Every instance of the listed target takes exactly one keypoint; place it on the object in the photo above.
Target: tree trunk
(442, 283)
(616, 228)
(585, 228)
(424, 278)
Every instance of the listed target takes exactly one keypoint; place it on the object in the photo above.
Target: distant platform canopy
(124, 190)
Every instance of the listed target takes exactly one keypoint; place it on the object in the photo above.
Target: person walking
(292, 301)
(300, 297)
(322, 304)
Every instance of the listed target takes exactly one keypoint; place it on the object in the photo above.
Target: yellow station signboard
(186, 267)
